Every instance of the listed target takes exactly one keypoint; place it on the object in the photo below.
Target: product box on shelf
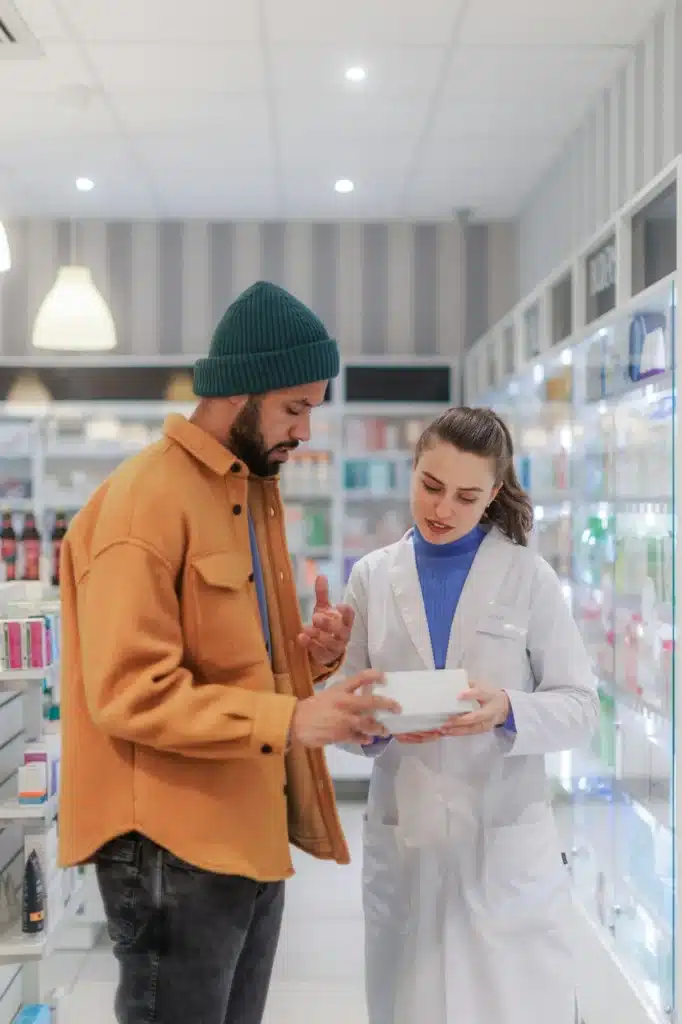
(34, 1014)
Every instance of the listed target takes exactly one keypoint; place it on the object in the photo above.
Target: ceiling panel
(61, 66)
(43, 20)
(228, 21)
(346, 158)
(217, 115)
(221, 196)
(164, 67)
(556, 22)
(362, 22)
(469, 154)
(391, 71)
(194, 152)
(527, 72)
(365, 118)
(50, 117)
(518, 118)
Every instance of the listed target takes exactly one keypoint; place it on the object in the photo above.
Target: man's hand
(343, 713)
(327, 637)
(493, 711)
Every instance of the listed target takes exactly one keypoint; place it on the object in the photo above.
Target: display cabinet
(594, 417)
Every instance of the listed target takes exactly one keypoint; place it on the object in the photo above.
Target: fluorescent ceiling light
(73, 316)
(356, 74)
(344, 186)
(5, 255)
(85, 184)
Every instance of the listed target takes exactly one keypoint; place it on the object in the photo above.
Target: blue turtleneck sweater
(443, 571)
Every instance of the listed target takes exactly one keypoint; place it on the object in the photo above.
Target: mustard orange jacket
(174, 718)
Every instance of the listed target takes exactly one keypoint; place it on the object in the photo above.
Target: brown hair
(482, 432)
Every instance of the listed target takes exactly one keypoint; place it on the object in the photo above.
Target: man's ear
(238, 401)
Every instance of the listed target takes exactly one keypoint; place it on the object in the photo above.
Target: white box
(427, 698)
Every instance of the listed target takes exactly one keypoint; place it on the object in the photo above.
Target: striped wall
(633, 131)
(398, 289)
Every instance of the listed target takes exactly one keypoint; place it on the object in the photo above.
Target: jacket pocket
(525, 882)
(227, 632)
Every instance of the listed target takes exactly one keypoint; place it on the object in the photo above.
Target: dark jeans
(192, 947)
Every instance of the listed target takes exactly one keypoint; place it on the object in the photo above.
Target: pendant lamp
(73, 316)
(28, 392)
(5, 255)
(180, 388)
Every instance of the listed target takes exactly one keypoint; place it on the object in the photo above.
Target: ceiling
(239, 109)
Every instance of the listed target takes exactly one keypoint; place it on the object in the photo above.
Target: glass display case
(623, 599)
(594, 427)
(594, 417)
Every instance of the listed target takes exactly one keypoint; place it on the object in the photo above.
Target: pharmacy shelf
(21, 678)
(15, 947)
(11, 811)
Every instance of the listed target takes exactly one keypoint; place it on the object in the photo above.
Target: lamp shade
(5, 255)
(73, 316)
(28, 391)
(180, 388)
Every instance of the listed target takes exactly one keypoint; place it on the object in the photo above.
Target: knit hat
(267, 340)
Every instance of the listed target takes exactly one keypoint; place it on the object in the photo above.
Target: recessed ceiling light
(344, 185)
(356, 74)
(84, 184)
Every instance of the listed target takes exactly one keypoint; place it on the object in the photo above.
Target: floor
(319, 972)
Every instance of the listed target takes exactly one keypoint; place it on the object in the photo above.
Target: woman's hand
(494, 710)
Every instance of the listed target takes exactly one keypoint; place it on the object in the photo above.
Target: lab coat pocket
(500, 655)
(526, 885)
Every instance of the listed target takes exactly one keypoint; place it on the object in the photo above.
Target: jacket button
(285, 790)
(266, 749)
(251, 577)
(237, 510)
(235, 467)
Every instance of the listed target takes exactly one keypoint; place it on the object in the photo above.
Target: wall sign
(601, 280)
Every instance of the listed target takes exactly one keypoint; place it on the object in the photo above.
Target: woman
(466, 897)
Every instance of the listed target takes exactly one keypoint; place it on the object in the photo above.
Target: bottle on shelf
(33, 910)
(8, 546)
(58, 534)
(31, 548)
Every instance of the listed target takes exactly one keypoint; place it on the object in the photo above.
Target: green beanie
(267, 340)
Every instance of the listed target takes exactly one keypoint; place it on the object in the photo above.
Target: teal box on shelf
(33, 1015)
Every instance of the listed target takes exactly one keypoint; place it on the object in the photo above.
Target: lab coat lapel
(408, 595)
(491, 564)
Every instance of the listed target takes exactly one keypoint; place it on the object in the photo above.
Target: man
(191, 730)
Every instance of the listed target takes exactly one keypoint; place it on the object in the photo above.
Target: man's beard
(246, 441)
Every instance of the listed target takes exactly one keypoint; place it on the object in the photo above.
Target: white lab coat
(467, 901)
